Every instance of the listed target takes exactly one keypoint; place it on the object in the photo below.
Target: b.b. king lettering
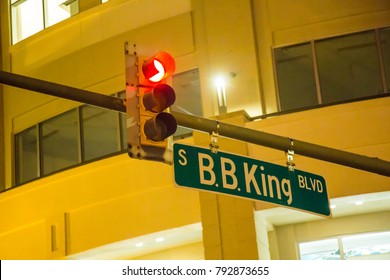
(256, 179)
(241, 176)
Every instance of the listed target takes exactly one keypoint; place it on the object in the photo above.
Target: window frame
(315, 75)
(18, 166)
(76, 112)
(121, 130)
(83, 138)
(122, 147)
(379, 53)
(341, 245)
(15, 28)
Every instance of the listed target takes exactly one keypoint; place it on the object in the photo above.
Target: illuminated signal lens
(158, 67)
(160, 72)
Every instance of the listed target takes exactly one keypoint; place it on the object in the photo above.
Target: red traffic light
(158, 67)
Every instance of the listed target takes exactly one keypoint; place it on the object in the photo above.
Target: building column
(5, 66)
(229, 230)
(262, 237)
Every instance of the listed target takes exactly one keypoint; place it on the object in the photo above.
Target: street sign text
(241, 176)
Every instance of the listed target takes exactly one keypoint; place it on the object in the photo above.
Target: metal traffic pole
(71, 93)
(370, 164)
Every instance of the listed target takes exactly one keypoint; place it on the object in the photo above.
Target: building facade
(317, 71)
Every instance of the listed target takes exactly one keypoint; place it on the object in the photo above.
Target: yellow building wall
(112, 199)
(95, 204)
(28, 241)
(108, 200)
(294, 22)
(87, 51)
(227, 51)
(103, 202)
(229, 231)
(192, 251)
(358, 127)
(282, 22)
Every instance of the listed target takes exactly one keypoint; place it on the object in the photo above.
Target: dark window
(333, 70)
(87, 133)
(295, 76)
(188, 96)
(100, 132)
(26, 159)
(60, 142)
(348, 67)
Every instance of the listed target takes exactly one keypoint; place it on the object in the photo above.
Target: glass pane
(348, 67)
(27, 19)
(100, 132)
(26, 144)
(367, 246)
(295, 75)
(188, 96)
(385, 44)
(57, 10)
(327, 249)
(60, 142)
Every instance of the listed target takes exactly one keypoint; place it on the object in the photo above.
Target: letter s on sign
(183, 160)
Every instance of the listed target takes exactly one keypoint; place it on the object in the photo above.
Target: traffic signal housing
(157, 124)
(149, 95)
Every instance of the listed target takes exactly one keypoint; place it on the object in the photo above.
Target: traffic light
(156, 95)
(148, 96)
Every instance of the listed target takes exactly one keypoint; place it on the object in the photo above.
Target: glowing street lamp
(221, 95)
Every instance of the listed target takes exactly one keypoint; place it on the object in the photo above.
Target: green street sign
(240, 176)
